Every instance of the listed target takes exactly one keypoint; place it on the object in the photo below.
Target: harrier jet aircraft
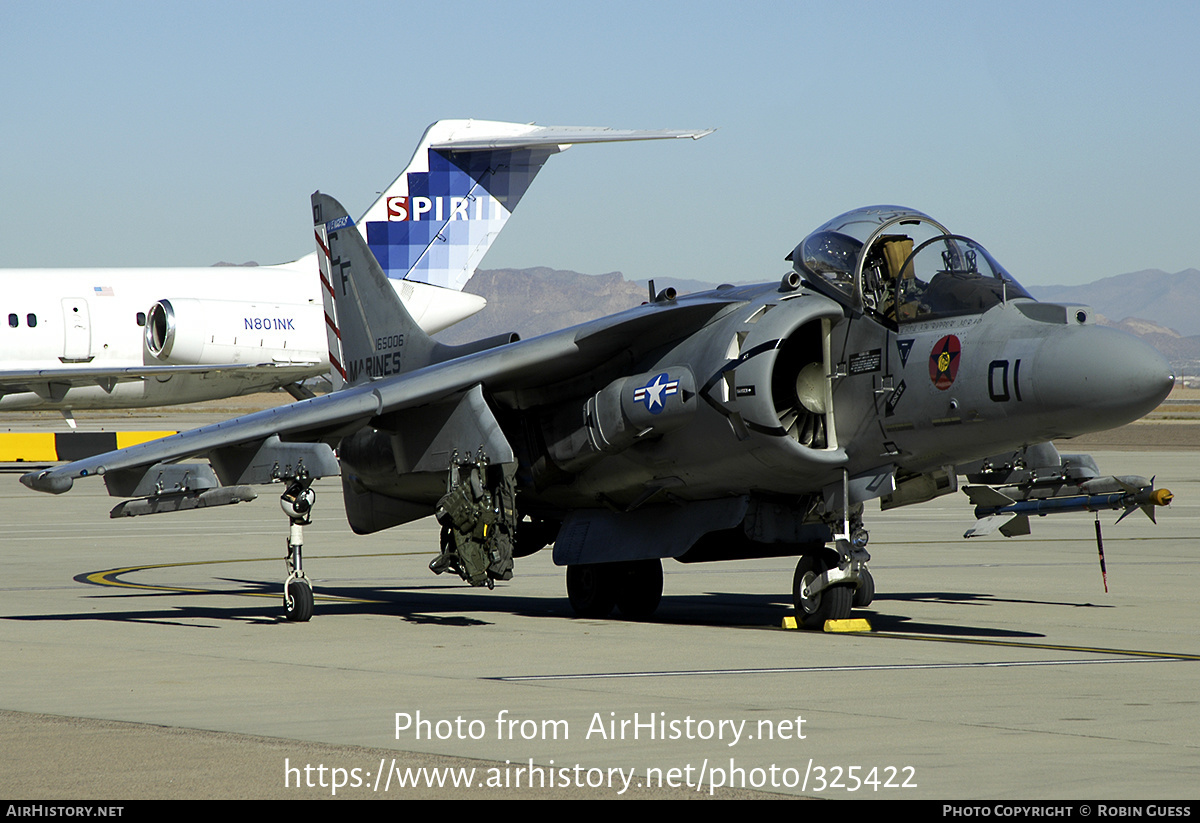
(749, 421)
(125, 338)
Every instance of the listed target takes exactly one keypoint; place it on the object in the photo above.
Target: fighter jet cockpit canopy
(902, 266)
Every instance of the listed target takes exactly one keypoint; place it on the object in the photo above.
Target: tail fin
(431, 227)
(436, 220)
(371, 334)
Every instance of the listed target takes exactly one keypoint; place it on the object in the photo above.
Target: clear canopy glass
(902, 266)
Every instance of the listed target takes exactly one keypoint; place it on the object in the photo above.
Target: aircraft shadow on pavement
(453, 604)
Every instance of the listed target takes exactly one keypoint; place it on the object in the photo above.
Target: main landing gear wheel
(298, 604)
(591, 589)
(639, 588)
(634, 586)
(813, 609)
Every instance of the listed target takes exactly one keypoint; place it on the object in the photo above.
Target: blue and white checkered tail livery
(439, 231)
(439, 217)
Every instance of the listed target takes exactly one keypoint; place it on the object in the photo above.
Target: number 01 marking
(998, 386)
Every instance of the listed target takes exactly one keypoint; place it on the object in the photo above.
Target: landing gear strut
(297, 503)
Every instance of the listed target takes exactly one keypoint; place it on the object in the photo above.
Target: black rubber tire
(300, 608)
(639, 588)
(831, 604)
(591, 589)
(865, 592)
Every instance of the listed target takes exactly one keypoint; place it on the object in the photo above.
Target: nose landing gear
(828, 583)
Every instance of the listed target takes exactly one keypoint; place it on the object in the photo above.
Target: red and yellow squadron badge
(943, 361)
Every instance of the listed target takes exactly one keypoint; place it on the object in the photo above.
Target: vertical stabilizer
(431, 227)
(371, 334)
(435, 222)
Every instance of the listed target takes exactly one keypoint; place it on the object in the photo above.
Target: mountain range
(1168, 300)
(1162, 308)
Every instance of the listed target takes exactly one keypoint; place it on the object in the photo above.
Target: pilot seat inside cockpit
(901, 266)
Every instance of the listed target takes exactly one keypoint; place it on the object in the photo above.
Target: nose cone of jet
(1102, 377)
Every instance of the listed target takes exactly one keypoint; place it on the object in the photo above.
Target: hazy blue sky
(1063, 136)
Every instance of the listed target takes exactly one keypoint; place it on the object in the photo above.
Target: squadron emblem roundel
(943, 361)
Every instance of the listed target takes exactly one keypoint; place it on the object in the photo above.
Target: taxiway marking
(112, 577)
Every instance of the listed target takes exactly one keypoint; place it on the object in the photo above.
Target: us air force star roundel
(943, 361)
(652, 393)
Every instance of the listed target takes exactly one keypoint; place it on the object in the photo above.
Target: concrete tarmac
(146, 657)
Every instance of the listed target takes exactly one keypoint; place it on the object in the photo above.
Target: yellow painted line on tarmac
(111, 577)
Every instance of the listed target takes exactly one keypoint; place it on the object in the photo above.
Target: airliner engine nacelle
(212, 332)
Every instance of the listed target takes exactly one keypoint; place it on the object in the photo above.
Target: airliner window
(13, 321)
(141, 318)
(949, 276)
(31, 320)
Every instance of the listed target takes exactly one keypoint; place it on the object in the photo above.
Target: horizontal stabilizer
(564, 136)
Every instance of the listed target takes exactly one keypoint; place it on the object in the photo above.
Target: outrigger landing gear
(297, 503)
